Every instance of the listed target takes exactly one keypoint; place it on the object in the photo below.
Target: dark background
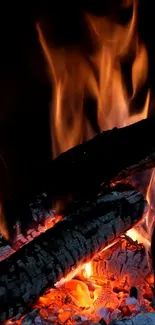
(25, 90)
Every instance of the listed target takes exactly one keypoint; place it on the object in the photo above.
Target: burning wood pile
(89, 259)
(84, 293)
(119, 282)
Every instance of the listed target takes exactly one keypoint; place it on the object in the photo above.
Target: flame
(3, 226)
(136, 236)
(150, 187)
(76, 74)
(88, 269)
(150, 221)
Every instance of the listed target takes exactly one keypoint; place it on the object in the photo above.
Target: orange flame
(75, 75)
(3, 226)
(150, 198)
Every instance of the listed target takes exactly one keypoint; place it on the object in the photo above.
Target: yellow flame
(88, 269)
(136, 236)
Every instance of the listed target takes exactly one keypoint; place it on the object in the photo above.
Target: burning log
(85, 170)
(109, 157)
(142, 319)
(26, 274)
(127, 261)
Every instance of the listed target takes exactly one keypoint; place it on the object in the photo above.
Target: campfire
(90, 258)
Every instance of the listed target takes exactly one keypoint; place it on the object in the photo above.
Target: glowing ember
(21, 239)
(79, 292)
(101, 288)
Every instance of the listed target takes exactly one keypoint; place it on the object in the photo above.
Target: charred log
(126, 260)
(26, 274)
(87, 169)
(109, 157)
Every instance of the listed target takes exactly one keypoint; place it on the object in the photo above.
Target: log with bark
(26, 274)
(142, 319)
(85, 170)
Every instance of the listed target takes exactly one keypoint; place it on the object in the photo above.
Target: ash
(115, 289)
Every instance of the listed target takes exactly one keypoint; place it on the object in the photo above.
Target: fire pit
(89, 256)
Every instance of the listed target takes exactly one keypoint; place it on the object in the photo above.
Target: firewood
(109, 157)
(41, 263)
(85, 170)
(142, 319)
(127, 262)
(8, 248)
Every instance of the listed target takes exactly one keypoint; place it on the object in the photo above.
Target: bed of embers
(115, 287)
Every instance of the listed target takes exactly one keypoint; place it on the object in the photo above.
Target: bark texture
(26, 274)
